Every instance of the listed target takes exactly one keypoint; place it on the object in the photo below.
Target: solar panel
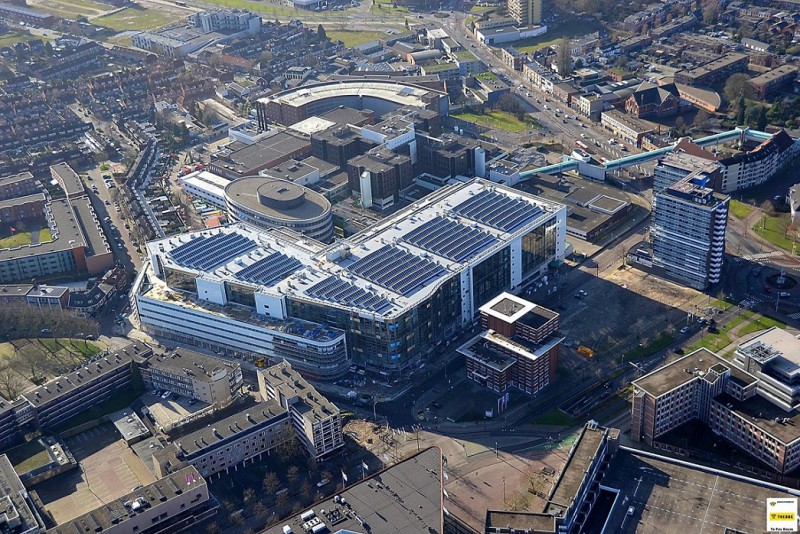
(498, 211)
(450, 239)
(206, 252)
(396, 269)
(337, 290)
(270, 269)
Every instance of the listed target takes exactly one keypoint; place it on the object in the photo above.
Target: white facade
(207, 186)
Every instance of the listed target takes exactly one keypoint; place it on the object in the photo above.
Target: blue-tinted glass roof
(396, 269)
(337, 290)
(204, 253)
(450, 239)
(498, 211)
(270, 269)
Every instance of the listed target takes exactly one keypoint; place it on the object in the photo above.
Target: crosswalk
(794, 316)
(763, 255)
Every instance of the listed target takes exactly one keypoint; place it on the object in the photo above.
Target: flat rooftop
(403, 499)
(69, 180)
(713, 66)
(669, 377)
(14, 503)
(289, 384)
(200, 365)
(111, 515)
(223, 431)
(407, 255)
(574, 471)
(90, 227)
(520, 521)
(676, 499)
(129, 425)
(765, 415)
(21, 201)
(777, 346)
(67, 235)
(277, 198)
(87, 373)
(511, 308)
(249, 158)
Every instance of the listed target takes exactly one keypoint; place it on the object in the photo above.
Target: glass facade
(491, 277)
(182, 281)
(240, 294)
(538, 246)
(389, 346)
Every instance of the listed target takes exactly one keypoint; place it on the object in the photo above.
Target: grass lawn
(355, 38)
(16, 240)
(712, 342)
(776, 230)
(45, 235)
(568, 28)
(502, 120)
(762, 323)
(135, 18)
(12, 38)
(661, 341)
(740, 210)
(28, 456)
(72, 9)
(479, 10)
(554, 417)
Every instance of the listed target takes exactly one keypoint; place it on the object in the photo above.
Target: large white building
(397, 289)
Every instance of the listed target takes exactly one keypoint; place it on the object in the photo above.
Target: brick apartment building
(702, 386)
(518, 346)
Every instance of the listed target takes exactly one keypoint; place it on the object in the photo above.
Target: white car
(684, 329)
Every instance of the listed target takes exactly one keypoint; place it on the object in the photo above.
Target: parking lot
(108, 469)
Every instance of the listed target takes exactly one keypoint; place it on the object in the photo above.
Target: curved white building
(272, 203)
(381, 96)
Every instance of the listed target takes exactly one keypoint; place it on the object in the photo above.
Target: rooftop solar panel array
(270, 269)
(450, 239)
(206, 252)
(498, 211)
(396, 269)
(337, 290)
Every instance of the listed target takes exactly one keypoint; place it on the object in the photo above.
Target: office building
(316, 421)
(177, 503)
(626, 127)
(774, 358)
(93, 383)
(688, 232)
(406, 497)
(255, 430)
(526, 12)
(735, 405)
(214, 381)
(206, 186)
(18, 512)
(272, 203)
(396, 289)
(517, 348)
(238, 160)
(378, 176)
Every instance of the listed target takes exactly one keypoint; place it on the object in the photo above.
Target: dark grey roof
(403, 499)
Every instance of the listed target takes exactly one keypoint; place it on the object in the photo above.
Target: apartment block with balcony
(316, 420)
(214, 381)
(255, 430)
(688, 232)
(90, 384)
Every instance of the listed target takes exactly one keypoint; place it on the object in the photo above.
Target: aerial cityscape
(399, 266)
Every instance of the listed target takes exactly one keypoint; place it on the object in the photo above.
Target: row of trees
(18, 322)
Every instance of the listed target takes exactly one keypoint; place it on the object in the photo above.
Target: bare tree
(248, 495)
(293, 475)
(563, 57)
(9, 383)
(271, 484)
(34, 360)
